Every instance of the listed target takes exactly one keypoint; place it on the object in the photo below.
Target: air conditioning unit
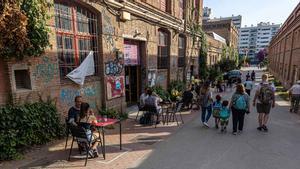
(125, 16)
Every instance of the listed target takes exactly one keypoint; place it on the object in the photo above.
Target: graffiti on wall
(108, 32)
(115, 87)
(90, 94)
(114, 67)
(46, 70)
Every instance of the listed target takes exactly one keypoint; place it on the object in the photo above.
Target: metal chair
(139, 109)
(67, 132)
(80, 135)
(173, 113)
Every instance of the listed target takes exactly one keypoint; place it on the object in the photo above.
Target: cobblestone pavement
(196, 147)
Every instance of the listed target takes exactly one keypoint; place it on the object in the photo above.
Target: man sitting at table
(73, 113)
(152, 102)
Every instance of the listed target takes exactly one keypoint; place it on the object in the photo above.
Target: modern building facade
(255, 38)
(135, 43)
(284, 50)
(224, 28)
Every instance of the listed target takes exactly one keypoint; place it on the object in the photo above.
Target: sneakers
(265, 128)
(240, 131)
(234, 133)
(259, 128)
(205, 124)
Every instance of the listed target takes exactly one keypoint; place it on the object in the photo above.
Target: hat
(298, 81)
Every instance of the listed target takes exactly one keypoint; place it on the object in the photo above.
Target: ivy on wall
(23, 28)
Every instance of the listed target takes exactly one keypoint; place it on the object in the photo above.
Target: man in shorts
(265, 97)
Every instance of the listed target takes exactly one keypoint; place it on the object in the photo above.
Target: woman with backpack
(205, 99)
(239, 106)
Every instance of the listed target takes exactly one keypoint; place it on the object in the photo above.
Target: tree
(261, 55)
(23, 28)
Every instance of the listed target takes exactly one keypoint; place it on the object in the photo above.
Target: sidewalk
(138, 141)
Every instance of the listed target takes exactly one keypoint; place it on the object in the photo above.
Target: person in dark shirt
(187, 97)
(74, 111)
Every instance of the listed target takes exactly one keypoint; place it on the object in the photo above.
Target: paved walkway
(196, 147)
(189, 146)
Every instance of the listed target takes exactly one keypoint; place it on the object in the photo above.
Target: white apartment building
(255, 38)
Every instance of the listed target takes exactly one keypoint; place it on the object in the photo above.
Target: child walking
(217, 105)
(224, 115)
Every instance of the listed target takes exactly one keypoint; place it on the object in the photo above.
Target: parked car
(233, 75)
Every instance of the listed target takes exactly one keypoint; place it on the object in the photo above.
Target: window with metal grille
(165, 5)
(22, 79)
(163, 50)
(76, 36)
(181, 9)
(181, 51)
(196, 10)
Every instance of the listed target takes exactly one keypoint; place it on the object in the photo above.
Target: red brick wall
(284, 50)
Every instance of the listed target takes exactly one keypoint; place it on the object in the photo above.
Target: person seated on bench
(152, 103)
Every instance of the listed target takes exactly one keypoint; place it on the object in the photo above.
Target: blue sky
(253, 11)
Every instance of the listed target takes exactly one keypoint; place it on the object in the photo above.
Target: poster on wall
(151, 77)
(131, 54)
(115, 87)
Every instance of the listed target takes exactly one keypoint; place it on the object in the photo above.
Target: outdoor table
(101, 123)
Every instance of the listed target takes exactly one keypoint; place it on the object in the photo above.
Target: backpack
(224, 113)
(266, 93)
(146, 119)
(216, 109)
(240, 103)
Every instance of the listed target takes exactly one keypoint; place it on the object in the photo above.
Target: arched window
(181, 50)
(76, 35)
(163, 50)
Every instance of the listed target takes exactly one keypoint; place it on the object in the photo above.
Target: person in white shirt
(294, 93)
(265, 96)
(143, 97)
(248, 86)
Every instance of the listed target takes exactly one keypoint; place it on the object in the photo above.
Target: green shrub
(163, 94)
(112, 113)
(27, 125)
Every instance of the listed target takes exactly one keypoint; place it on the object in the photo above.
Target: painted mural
(115, 87)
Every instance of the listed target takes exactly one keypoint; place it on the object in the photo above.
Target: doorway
(132, 62)
(132, 74)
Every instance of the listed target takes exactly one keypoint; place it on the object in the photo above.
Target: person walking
(248, 86)
(294, 93)
(248, 75)
(239, 106)
(205, 99)
(265, 97)
(253, 75)
(224, 116)
(217, 105)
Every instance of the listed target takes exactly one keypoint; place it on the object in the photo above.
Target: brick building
(224, 28)
(215, 44)
(135, 43)
(284, 50)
